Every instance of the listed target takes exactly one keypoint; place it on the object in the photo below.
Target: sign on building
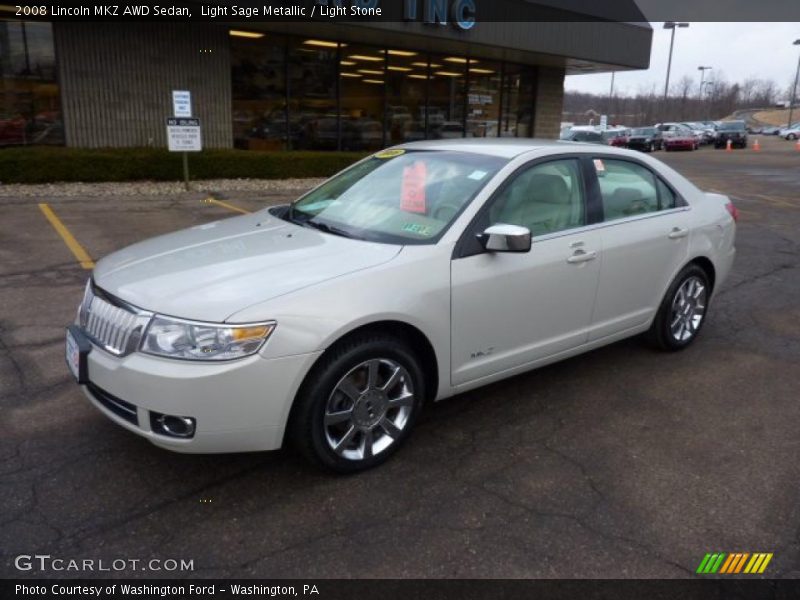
(181, 103)
(183, 135)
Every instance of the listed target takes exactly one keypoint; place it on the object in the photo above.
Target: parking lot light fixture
(673, 25)
(794, 87)
(702, 78)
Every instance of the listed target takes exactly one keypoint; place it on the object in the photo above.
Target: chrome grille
(110, 323)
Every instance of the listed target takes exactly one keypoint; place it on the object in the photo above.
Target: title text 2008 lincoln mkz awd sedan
(418, 273)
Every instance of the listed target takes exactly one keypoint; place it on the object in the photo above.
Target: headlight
(203, 341)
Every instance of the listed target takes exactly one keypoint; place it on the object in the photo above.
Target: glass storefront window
(297, 93)
(517, 113)
(313, 122)
(259, 92)
(30, 103)
(406, 89)
(446, 97)
(362, 82)
(483, 98)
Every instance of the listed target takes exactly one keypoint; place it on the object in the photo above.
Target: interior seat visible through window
(545, 199)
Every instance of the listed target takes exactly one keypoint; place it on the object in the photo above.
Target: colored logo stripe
(733, 563)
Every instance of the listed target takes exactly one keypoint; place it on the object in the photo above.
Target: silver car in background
(421, 272)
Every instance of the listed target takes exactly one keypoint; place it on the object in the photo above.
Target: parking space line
(776, 201)
(226, 205)
(77, 250)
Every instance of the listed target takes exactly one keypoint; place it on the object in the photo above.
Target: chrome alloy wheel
(368, 409)
(688, 309)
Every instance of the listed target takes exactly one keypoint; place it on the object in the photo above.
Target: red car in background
(617, 137)
(681, 141)
(12, 131)
(678, 137)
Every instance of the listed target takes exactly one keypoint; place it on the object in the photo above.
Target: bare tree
(647, 106)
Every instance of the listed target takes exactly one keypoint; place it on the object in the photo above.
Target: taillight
(733, 211)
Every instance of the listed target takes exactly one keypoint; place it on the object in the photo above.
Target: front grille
(110, 323)
(119, 407)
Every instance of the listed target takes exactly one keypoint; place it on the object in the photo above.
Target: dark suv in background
(645, 139)
(735, 131)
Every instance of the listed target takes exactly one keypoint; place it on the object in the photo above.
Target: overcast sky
(739, 50)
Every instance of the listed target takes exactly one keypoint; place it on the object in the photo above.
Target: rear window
(734, 126)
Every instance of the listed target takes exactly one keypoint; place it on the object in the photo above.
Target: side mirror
(506, 238)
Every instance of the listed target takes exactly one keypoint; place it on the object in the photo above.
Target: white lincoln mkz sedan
(418, 273)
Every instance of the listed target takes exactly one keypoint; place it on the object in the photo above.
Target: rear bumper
(239, 406)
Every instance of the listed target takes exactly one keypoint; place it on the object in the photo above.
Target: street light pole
(671, 25)
(709, 87)
(794, 87)
(702, 78)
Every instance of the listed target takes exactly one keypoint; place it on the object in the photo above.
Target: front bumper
(239, 406)
(679, 144)
(641, 144)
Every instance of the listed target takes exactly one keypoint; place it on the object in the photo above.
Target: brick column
(549, 103)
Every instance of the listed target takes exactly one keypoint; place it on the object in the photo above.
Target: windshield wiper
(327, 228)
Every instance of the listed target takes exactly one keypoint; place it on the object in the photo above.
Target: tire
(339, 384)
(651, 148)
(669, 331)
(791, 136)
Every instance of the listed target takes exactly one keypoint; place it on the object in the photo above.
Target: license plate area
(77, 350)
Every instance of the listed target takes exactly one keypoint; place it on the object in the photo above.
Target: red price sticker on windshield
(412, 192)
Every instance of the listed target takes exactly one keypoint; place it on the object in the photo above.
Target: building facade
(299, 86)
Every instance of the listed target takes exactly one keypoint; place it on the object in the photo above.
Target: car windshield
(644, 131)
(733, 126)
(397, 196)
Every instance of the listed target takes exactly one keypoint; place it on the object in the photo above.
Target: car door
(513, 309)
(645, 239)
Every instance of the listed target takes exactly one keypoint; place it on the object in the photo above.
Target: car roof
(501, 147)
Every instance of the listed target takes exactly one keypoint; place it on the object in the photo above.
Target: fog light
(172, 426)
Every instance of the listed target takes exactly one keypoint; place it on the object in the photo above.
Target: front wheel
(683, 310)
(358, 405)
(791, 136)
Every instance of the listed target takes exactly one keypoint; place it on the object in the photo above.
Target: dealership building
(321, 84)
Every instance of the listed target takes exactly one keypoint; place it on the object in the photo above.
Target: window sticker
(600, 167)
(416, 228)
(477, 175)
(390, 153)
(412, 192)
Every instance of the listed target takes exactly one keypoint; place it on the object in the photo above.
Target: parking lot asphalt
(623, 462)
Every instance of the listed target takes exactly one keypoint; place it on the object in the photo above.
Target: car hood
(212, 271)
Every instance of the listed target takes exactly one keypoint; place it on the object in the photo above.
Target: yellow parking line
(775, 200)
(226, 205)
(77, 250)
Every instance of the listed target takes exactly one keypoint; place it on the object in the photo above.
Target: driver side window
(545, 198)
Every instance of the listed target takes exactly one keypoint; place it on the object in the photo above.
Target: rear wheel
(358, 405)
(683, 310)
(791, 136)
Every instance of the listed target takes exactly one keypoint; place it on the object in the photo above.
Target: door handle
(678, 232)
(581, 256)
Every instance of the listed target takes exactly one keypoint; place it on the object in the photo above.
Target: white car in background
(790, 133)
(420, 272)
